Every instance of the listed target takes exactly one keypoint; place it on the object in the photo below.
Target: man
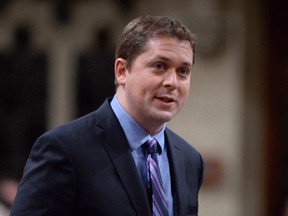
(99, 164)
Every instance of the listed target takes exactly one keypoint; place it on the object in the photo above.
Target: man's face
(157, 84)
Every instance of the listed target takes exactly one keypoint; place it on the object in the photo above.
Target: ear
(120, 70)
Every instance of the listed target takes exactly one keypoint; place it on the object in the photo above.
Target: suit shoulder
(180, 142)
(76, 125)
(85, 124)
(81, 131)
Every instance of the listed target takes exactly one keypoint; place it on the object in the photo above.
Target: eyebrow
(162, 58)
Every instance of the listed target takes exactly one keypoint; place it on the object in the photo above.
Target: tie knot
(151, 146)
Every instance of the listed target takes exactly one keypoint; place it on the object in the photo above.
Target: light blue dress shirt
(136, 137)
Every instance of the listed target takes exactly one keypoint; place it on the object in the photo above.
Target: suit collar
(119, 152)
(178, 172)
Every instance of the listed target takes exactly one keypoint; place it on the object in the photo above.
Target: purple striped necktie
(155, 183)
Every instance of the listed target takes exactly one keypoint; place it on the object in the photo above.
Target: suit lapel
(178, 173)
(118, 149)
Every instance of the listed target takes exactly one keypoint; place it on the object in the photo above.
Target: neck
(153, 131)
(150, 127)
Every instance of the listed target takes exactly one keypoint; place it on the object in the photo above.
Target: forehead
(171, 47)
(165, 38)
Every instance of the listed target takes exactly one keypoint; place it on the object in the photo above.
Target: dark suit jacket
(86, 168)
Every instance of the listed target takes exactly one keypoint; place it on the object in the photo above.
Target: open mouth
(166, 99)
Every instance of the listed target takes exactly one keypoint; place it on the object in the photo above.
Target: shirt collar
(135, 134)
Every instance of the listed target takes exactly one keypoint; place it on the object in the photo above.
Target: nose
(170, 80)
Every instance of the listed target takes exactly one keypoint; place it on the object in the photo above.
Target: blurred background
(56, 64)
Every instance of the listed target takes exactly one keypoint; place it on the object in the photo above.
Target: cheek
(184, 90)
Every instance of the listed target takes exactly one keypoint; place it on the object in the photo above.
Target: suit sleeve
(202, 166)
(48, 184)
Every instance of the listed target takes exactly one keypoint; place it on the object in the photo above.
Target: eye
(184, 72)
(159, 66)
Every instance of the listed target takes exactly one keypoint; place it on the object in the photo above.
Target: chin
(164, 117)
